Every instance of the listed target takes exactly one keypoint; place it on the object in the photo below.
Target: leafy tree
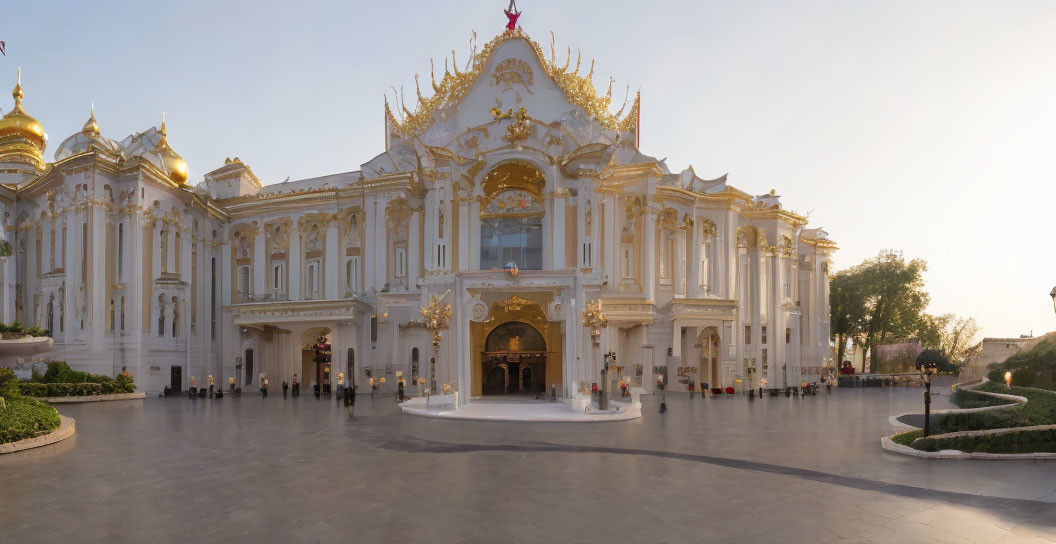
(847, 308)
(894, 299)
(878, 301)
(952, 335)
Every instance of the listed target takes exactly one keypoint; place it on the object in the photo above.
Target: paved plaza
(300, 470)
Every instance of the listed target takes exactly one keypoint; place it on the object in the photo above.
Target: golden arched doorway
(514, 360)
(517, 350)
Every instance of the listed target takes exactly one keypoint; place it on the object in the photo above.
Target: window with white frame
(627, 255)
(401, 262)
(352, 274)
(277, 277)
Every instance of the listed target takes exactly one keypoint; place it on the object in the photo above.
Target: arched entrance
(517, 349)
(709, 357)
(514, 360)
(315, 358)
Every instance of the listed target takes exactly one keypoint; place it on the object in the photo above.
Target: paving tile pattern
(800, 469)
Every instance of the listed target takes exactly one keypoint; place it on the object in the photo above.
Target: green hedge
(1010, 442)
(965, 398)
(1040, 409)
(119, 385)
(907, 438)
(60, 372)
(22, 417)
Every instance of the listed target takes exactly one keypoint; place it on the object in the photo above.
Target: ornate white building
(513, 160)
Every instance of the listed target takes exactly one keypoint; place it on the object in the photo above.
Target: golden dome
(19, 123)
(174, 165)
(91, 126)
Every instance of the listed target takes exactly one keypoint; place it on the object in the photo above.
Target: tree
(847, 308)
(950, 334)
(878, 301)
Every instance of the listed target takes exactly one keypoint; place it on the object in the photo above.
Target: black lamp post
(927, 399)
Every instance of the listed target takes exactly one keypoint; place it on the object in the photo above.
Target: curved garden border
(67, 426)
(1017, 402)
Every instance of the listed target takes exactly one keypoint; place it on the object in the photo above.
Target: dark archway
(514, 360)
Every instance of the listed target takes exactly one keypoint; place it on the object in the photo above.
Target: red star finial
(512, 14)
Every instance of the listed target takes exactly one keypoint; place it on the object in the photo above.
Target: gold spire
(17, 91)
(91, 127)
(162, 130)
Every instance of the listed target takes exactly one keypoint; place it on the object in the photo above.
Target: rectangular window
(747, 335)
(628, 261)
(352, 275)
(276, 277)
(762, 334)
(764, 357)
(401, 262)
(788, 336)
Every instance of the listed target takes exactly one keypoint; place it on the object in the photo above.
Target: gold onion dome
(22, 137)
(173, 163)
(91, 126)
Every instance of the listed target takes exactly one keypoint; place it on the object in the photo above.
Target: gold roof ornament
(174, 165)
(22, 138)
(91, 127)
(453, 87)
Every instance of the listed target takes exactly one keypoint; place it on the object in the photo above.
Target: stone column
(331, 267)
(368, 241)
(557, 209)
(155, 268)
(225, 269)
(649, 278)
(463, 235)
(474, 234)
(548, 232)
(381, 249)
(295, 262)
(260, 272)
(678, 262)
(693, 281)
(45, 246)
(414, 246)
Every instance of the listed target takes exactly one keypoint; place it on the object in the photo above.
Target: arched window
(511, 232)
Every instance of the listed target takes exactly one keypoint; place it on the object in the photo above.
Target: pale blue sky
(921, 126)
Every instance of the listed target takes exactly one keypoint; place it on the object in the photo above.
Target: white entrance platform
(512, 410)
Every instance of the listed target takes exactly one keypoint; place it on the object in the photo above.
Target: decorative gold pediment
(516, 304)
(454, 86)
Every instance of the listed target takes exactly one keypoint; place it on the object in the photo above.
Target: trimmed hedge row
(1040, 409)
(1010, 442)
(60, 372)
(119, 385)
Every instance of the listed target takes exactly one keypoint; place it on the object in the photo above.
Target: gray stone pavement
(800, 469)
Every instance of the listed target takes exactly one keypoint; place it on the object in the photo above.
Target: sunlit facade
(512, 192)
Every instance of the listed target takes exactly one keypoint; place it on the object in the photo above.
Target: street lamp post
(927, 399)
(594, 319)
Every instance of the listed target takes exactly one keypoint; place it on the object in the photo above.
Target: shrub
(1040, 409)
(8, 383)
(108, 386)
(26, 418)
(1010, 442)
(965, 398)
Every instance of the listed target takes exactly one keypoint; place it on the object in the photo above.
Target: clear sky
(923, 126)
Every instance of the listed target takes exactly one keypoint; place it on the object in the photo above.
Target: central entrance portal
(514, 360)
(517, 350)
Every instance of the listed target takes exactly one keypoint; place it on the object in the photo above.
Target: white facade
(515, 160)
